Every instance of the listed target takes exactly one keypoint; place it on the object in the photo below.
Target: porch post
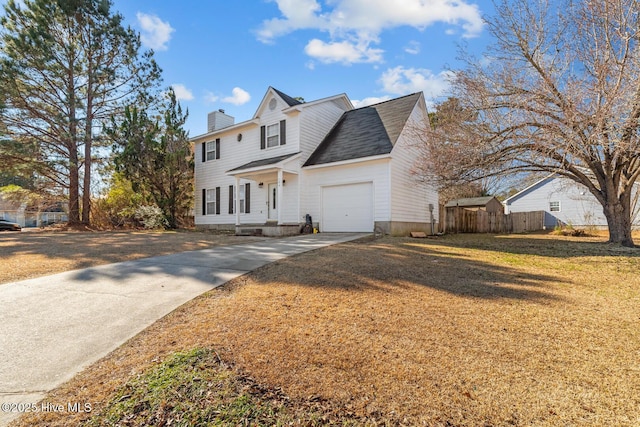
(236, 202)
(299, 178)
(279, 196)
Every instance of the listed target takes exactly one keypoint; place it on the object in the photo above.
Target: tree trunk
(74, 205)
(618, 214)
(88, 139)
(86, 185)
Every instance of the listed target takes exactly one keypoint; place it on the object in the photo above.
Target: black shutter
(231, 207)
(247, 197)
(263, 137)
(204, 201)
(217, 200)
(283, 132)
(204, 152)
(217, 148)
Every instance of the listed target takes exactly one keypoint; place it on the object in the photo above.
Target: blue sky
(226, 53)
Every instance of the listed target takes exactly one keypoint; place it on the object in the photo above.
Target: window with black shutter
(247, 197)
(217, 200)
(273, 135)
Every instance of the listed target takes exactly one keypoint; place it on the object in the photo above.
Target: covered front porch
(275, 202)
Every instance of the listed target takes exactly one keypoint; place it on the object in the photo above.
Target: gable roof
(365, 132)
(286, 98)
(271, 91)
(530, 188)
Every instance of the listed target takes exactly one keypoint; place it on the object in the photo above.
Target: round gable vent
(272, 104)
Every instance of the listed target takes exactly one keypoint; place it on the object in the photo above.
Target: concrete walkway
(52, 327)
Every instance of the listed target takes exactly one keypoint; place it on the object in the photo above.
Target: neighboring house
(350, 169)
(488, 204)
(29, 216)
(564, 201)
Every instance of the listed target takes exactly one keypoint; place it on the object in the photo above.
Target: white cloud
(412, 48)
(155, 32)
(360, 22)
(182, 93)
(369, 101)
(238, 97)
(344, 52)
(211, 98)
(402, 81)
(298, 14)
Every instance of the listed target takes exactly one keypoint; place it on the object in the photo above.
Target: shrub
(151, 217)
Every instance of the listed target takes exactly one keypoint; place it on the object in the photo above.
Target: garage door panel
(348, 208)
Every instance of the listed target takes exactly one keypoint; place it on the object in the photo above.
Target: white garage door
(347, 208)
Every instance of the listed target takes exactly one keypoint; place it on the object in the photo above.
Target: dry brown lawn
(36, 253)
(460, 330)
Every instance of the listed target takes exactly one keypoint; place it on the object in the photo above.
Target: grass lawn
(34, 253)
(459, 330)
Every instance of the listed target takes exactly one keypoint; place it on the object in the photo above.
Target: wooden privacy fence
(460, 220)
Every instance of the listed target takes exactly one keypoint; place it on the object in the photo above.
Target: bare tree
(559, 91)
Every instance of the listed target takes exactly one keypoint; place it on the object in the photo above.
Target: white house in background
(350, 169)
(564, 201)
(32, 216)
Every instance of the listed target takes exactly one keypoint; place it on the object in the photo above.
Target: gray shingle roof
(286, 98)
(262, 162)
(365, 132)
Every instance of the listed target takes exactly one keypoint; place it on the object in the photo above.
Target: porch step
(249, 232)
(268, 230)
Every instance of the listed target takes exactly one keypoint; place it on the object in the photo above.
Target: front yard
(458, 330)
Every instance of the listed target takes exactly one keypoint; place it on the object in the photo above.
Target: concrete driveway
(52, 327)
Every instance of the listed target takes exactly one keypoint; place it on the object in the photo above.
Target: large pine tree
(66, 66)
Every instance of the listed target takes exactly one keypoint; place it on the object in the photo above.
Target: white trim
(351, 161)
(266, 168)
(196, 139)
(236, 190)
(279, 195)
(299, 107)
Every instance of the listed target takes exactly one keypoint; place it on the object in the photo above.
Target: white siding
(272, 117)
(578, 207)
(375, 171)
(315, 122)
(410, 198)
(234, 153)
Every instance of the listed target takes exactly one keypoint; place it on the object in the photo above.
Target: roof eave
(237, 126)
(263, 168)
(350, 161)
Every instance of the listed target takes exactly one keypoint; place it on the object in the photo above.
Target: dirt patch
(462, 330)
(37, 253)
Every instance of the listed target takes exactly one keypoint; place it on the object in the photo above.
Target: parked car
(9, 226)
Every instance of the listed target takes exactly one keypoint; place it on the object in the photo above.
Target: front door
(273, 201)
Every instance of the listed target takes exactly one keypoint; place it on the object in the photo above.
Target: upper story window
(273, 135)
(211, 150)
(554, 206)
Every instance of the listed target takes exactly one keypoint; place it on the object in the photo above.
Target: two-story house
(350, 169)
